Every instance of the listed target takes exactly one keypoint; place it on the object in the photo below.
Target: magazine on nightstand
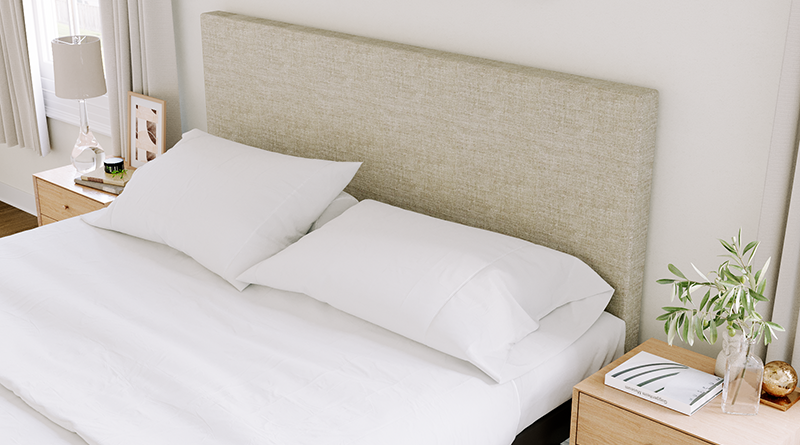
(101, 180)
(101, 177)
(665, 382)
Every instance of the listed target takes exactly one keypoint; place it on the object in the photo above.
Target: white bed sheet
(47, 272)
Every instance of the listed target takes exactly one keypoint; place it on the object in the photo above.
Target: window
(57, 18)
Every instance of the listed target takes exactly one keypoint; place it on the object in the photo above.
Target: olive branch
(730, 298)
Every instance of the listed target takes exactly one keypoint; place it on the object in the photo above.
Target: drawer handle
(66, 207)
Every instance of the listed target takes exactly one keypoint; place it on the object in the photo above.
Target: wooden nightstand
(58, 197)
(604, 415)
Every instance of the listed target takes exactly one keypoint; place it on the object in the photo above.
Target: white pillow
(225, 204)
(468, 292)
(341, 203)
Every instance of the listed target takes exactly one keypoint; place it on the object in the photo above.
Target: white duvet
(130, 342)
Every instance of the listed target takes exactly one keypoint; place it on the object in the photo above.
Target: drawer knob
(66, 207)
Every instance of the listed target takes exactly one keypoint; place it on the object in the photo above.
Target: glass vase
(730, 345)
(741, 389)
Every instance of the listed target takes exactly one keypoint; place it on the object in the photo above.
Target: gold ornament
(780, 379)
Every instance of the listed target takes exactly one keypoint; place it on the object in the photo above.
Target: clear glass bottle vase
(741, 389)
(730, 345)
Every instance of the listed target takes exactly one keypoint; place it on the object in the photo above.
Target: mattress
(126, 341)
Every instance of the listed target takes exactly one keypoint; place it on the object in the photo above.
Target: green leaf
(685, 295)
(753, 252)
(700, 273)
(666, 281)
(705, 300)
(671, 331)
(749, 246)
(774, 326)
(735, 279)
(761, 286)
(684, 322)
(757, 296)
(698, 328)
(733, 317)
(663, 317)
(714, 334)
(727, 247)
(712, 301)
(766, 266)
(675, 271)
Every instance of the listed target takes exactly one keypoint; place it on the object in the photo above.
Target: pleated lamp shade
(78, 67)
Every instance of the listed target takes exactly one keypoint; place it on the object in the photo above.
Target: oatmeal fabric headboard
(556, 159)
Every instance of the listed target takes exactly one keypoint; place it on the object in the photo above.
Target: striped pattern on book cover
(665, 382)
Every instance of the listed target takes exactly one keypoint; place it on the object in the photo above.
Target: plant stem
(741, 378)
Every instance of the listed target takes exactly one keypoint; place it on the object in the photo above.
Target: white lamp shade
(78, 67)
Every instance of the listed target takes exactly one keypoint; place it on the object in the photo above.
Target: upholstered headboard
(560, 160)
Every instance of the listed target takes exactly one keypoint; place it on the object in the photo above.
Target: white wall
(716, 64)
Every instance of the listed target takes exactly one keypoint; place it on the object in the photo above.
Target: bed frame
(556, 159)
(560, 160)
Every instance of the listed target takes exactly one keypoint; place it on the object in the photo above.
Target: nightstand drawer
(601, 423)
(58, 203)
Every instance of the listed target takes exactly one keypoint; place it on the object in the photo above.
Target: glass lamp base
(87, 155)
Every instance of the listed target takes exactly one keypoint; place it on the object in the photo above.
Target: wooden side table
(604, 415)
(58, 197)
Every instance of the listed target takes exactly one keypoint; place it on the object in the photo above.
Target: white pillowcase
(225, 204)
(341, 203)
(468, 292)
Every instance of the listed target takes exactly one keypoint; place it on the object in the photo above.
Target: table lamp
(78, 70)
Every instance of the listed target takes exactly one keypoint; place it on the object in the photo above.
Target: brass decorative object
(780, 379)
(779, 383)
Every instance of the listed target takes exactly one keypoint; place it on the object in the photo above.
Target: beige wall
(716, 64)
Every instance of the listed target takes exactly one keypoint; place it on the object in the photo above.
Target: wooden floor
(14, 220)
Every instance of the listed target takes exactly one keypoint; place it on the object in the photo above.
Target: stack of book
(109, 183)
(665, 382)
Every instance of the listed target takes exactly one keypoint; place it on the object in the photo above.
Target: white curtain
(787, 292)
(22, 120)
(782, 202)
(139, 52)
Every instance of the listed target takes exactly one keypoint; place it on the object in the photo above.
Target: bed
(163, 320)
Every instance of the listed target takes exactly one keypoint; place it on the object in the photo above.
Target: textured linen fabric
(559, 160)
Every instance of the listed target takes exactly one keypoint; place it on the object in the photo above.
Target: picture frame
(146, 129)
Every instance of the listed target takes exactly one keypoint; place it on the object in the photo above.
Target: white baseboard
(17, 198)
